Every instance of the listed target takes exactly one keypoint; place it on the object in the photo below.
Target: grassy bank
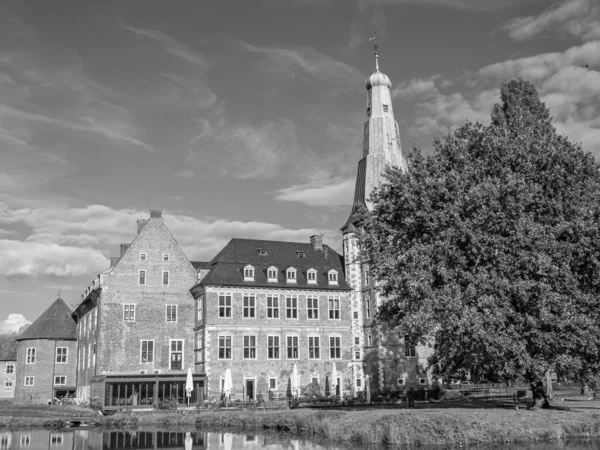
(418, 427)
(18, 416)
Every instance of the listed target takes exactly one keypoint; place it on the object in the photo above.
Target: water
(83, 439)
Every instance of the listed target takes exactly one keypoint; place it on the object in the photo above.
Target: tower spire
(374, 40)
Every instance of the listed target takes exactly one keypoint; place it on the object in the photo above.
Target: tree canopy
(491, 245)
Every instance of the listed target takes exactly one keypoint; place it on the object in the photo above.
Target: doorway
(249, 390)
(338, 387)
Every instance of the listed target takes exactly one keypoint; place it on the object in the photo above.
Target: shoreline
(404, 427)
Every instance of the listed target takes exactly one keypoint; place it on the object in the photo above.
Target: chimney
(124, 248)
(141, 224)
(155, 213)
(113, 260)
(316, 240)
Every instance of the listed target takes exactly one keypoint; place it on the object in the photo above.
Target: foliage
(313, 389)
(492, 246)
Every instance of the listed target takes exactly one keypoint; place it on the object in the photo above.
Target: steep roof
(55, 323)
(200, 264)
(8, 347)
(226, 269)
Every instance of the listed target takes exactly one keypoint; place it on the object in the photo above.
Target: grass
(15, 416)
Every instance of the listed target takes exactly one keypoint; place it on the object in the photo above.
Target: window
(358, 382)
(60, 380)
(290, 275)
(8, 385)
(385, 108)
(176, 355)
(333, 277)
(56, 440)
(128, 313)
(94, 354)
(30, 356)
(356, 314)
(165, 277)
(224, 305)
(10, 367)
(335, 349)
(291, 308)
(61, 355)
(248, 273)
(165, 257)
(28, 381)
(292, 347)
(314, 380)
(273, 384)
(311, 276)
(368, 307)
(369, 340)
(334, 308)
(199, 306)
(369, 111)
(312, 305)
(366, 276)
(147, 352)
(224, 347)
(400, 381)
(249, 347)
(356, 355)
(25, 440)
(272, 307)
(422, 381)
(262, 252)
(410, 349)
(273, 347)
(171, 313)
(313, 348)
(142, 279)
(249, 306)
(356, 341)
(272, 274)
(300, 254)
(346, 247)
(142, 256)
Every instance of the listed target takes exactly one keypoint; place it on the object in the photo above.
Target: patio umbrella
(334, 379)
(188, 441)
(189, 385)
(227, 441)
(368, 386)
(228, 384)
(295, 381)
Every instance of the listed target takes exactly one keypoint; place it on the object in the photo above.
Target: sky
(240, 118)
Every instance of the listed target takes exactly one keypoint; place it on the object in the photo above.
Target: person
(410, 396)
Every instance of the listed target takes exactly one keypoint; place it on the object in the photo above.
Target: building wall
(261, 369)
(43, 370)
(7, 379)
(118, 342)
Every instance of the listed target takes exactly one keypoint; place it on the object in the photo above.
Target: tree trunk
(548, 385)
(539, 399)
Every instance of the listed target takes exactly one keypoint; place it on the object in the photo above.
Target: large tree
(492, 246)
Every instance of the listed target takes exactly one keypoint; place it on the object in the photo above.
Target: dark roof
(8, 347)
(226, 269)
(55, 323)
(198, 265)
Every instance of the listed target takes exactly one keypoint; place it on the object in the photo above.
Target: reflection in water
(197, 440)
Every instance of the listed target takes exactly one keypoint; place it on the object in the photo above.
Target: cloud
(462, 5)
(309, 64)
(580, 18)
(330, 193)
(34, 258)
(13, 323)
(416, 87)
(170, 45)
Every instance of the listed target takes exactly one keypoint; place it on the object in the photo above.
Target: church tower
(381, 356)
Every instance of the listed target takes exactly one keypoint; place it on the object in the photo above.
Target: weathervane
(374, 40)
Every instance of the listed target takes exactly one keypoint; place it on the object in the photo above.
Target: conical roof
(55, 323)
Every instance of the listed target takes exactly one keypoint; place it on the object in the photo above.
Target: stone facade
(138, 317)
(8, 379)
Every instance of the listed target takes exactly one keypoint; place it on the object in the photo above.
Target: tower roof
(55, 323)
(378, 78)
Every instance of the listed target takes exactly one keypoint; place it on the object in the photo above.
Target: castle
(263, 309)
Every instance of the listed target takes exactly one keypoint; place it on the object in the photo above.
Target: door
(338, 387)
(249, 389)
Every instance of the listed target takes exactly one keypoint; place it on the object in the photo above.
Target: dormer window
(290, 275)
(262, 252)
(311, 276)
(333, 277)
(248, 273)
(300, 254)
(272, 274)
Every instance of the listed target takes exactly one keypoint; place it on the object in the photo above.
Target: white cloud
(463, 5)
(580, 18)
(34, 258)
(415, 87)
(330, 193)
(13, 323)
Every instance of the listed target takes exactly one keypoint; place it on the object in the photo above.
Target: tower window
(369, 111)
(385, 108)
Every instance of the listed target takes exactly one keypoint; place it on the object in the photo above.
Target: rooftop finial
(374, 40)
(58, 293)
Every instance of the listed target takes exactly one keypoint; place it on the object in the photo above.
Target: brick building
(390, 359)
(265, 306)
(8, 364)
(46, 356)
(135, 324)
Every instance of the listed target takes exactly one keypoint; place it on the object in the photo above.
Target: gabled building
(135, 324)
(8, 364)
(265, 306)
(390, 358)
(46, 356)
